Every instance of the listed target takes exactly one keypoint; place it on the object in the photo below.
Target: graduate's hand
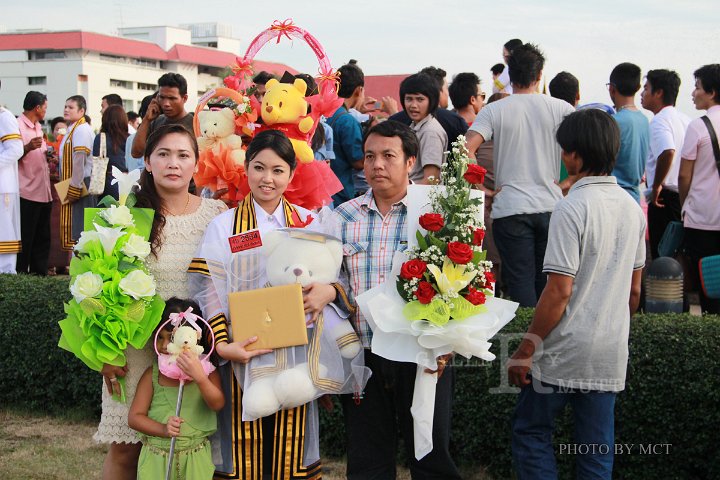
(315, 297)
(110, 374)
(236, 352)
(191, 366)
(172, 427)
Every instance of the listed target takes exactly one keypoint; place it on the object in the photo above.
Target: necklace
(629, 105)
(184, 209)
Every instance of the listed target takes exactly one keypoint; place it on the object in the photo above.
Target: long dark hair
(147, 196)
(115, 126)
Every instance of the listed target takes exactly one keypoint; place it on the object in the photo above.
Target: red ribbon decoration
(242, 65)
(283, 28)
(332, 76)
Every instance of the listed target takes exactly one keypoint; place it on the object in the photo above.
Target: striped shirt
(369, 245)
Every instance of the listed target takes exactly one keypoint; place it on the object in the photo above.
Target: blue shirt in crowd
(634, 141)
(347, 138)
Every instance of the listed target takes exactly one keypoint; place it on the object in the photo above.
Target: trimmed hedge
(669, 412)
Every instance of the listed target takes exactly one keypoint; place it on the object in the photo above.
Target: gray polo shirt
(597, 236)
(433, 140)
(526, 156)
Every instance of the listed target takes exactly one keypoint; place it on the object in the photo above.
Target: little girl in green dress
(152, 412)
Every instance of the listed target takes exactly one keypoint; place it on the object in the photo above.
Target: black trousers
(658, 218)
(35, 236)
(699, 244)
(371, 424)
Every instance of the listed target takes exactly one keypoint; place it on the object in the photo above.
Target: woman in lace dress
(179, 224)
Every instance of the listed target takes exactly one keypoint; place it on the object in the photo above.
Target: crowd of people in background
(551, 206)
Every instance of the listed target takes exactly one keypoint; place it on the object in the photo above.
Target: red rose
(489, 279)
(478, 236)
(432, 222)
(425, 292)
(460, 253)
(476, 297)
(475, 174)
(413, 269)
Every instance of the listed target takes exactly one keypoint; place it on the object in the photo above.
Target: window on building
(37, 80)
(121, 83)
(144, 62)
(111, 58)
(128, 105)
(146, 86)
(45, 54)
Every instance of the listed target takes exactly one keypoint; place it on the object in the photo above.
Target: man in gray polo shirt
(526, 158)
(576, 347)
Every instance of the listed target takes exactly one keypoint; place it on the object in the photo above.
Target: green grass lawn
(41, 447)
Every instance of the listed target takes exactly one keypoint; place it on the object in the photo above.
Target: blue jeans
(533, 424)
(521, 241)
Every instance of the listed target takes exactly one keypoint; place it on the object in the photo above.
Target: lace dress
(180, 240)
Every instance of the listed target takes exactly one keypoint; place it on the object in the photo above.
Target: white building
(61, 64)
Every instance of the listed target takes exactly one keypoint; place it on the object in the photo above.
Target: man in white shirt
(526, 160)
(11, 149)
(667, 132)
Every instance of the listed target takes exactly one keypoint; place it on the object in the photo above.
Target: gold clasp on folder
(267, 317)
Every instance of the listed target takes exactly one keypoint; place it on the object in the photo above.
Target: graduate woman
(285, 444)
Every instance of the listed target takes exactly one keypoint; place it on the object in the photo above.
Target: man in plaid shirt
(373, 228)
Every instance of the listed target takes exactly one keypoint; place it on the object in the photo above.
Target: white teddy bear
(217, 128)
(305, 257)
(185, 338)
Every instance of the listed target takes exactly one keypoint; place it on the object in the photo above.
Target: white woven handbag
(99, 169)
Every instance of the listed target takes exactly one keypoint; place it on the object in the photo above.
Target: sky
(586, 38)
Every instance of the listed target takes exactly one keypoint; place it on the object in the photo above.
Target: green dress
(192, 458)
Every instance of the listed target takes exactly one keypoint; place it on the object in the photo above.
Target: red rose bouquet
(441, 299)
(446, 276)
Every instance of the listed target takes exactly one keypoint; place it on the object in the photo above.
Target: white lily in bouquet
(439, 298)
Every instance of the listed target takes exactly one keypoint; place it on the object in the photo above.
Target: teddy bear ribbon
(189, 317)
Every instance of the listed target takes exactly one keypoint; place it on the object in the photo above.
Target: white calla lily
(125, 182)
(108, 236)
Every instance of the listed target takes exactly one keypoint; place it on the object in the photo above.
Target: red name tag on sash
(245, 241)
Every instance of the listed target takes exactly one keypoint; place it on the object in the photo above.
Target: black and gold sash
(66, 240)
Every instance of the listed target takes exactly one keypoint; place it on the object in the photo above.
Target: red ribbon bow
(283, 28)
(330, 76)
(242, 65)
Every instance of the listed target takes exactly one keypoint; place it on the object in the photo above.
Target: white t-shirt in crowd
(667, 131)
(596, 236)
(701, 209)
(526, 156)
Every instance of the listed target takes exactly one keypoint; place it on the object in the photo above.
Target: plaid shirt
(369, 245)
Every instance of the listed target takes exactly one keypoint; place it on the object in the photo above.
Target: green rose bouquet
(114, 301)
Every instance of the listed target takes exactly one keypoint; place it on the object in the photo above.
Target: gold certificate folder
(274, 314)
